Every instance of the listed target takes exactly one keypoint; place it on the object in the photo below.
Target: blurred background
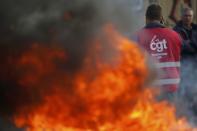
(172, 9)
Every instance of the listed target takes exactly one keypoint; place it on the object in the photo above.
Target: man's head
(187, 16)
(154, 13)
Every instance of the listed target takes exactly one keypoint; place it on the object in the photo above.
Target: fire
(106, 94)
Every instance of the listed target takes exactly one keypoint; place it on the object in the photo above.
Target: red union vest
(164, 45)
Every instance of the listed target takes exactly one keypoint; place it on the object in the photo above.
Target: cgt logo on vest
(158, 45)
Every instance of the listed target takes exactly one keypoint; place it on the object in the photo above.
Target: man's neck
(187, 26)
(153, 21)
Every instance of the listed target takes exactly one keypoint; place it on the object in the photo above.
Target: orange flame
(105, 94)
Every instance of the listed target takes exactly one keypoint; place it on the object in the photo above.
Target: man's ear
(162, 20)
(147, 20)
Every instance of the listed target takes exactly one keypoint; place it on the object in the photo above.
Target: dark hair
(154, 12)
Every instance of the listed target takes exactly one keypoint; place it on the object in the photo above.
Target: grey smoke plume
(68, 22)
(186, 100)
(28, 16)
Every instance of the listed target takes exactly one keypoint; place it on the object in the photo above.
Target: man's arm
(187, 46)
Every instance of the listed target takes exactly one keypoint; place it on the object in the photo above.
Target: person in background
(164, 46)
(174, 8)
(188, 32)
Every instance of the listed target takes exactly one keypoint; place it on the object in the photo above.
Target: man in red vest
(163, 45)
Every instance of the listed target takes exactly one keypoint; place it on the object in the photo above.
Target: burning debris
(65, 67)
(106, 93)
(65, 98)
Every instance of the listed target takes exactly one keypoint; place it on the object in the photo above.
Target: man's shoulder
(172, 33)
(141, 31)
(178, 26)
(170, 30)
(194, 26)
(162, 30)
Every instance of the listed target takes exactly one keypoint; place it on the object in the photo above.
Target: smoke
(46, 21)
(29, 17)
(186, 100)
(69, 23)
